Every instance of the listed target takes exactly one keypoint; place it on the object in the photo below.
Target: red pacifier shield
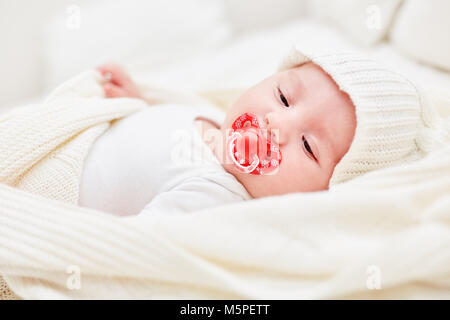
(249, 149)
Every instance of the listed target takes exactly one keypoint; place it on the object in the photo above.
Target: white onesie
(156, 162)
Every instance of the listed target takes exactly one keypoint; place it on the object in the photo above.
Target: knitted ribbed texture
(54, 168)
(5, 292)
(237, 251)
(43, 157)
(397, 222)
(389, 112)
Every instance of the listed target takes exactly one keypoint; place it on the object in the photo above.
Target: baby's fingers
(114, 73)
(113, 91)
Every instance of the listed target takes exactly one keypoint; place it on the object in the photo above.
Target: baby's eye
(283, 99)
(307, 147)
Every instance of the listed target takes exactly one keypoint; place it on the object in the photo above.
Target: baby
(318, 121)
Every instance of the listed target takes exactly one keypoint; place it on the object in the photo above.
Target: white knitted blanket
(383, 235)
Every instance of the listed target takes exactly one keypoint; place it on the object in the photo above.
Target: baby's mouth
(249, 147)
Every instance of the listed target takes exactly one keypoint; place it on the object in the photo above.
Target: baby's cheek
(301, 176)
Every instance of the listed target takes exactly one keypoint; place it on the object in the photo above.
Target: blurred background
(210, 44)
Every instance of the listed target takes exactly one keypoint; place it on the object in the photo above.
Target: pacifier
(250, 149)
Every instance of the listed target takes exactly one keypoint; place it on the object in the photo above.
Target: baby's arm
(196, 193)
(118, 84)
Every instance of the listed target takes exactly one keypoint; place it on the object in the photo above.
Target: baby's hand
(117, 82)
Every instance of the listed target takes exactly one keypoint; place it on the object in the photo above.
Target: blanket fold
(383, 235)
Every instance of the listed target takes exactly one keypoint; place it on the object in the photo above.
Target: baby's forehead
(301, 66)
(302, 71)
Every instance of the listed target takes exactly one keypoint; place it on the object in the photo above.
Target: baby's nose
(273, 132)
(266, 120)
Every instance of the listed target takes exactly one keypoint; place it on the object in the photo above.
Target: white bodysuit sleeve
(194, 194)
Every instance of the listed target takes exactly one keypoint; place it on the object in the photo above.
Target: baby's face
(315, 122)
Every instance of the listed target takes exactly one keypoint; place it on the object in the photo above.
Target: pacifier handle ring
(247, 169)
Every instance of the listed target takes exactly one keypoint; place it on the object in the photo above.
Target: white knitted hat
(389, 113)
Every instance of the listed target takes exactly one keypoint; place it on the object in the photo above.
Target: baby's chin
(259, 186)
(245, 179)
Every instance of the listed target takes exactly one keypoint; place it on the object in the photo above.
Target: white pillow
(365, 21)
(144, 34)
(251, 15)
(422, 31)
